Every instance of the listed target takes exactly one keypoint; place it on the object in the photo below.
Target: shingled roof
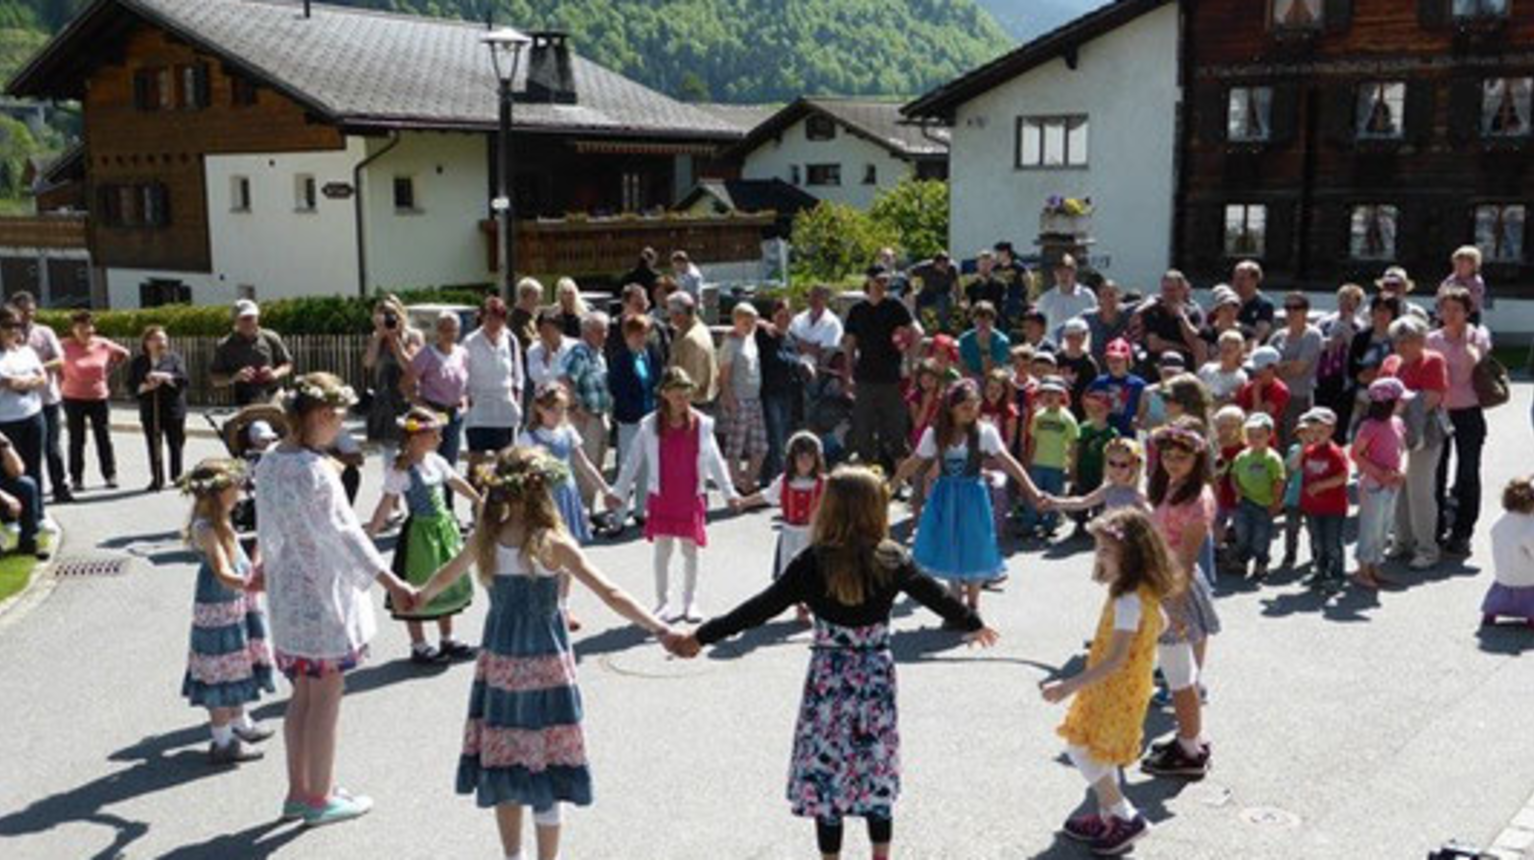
(363, 68)
(875, 121)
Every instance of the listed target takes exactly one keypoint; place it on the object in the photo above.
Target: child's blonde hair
(518, 490)
(205, 483)
(1132, 447)
(1228, 415)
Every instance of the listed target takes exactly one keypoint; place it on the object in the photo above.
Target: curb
(1516, 840)
(16, 607)
(191, 432)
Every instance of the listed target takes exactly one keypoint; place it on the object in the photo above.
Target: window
(1499, 232)
(239, 194)
(242, 91)
(1251, 113)
(1296, 14)
(793, 174)
(870, 174)
(1372, 234)
(141, 205)
(165, 89)
(1059, 141)
(305, 198)
(1479, 9)
(1246, 230)
(146, 89)
(153, 205)
(1505, 106)
(825, 174)
(194, 86)
(819, 127)
(128, 206)
(1380, 108)
(633, 192)
(404, 193)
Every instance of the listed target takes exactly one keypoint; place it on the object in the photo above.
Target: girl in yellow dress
(1103, 727)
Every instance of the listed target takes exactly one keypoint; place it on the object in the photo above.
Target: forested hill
(720, 50)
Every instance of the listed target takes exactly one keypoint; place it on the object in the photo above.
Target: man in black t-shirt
(870, 340)
(986, 287)
(1169, 322)
(1256, 309)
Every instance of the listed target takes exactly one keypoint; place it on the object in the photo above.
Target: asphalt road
(1367, 727)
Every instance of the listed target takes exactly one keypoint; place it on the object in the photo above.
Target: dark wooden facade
(1378, 145)
(151, 114)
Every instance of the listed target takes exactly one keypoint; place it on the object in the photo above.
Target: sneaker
(1172, 761)
(255, 734)
(292, 810)
(1423, 561)
(452, 649)
(425, 655)
(692, 614)
(1085, 828)
(234, 752)
(339, 807)
(1120, 835)
(112, 483)
(1458, 547)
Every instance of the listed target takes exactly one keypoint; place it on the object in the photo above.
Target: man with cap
(939, 287)
(876, 326)
(1396, 282)
(1170, 320)
(252, 359)
(1264, 391)
(1066, 300)
(1224, 305)
(692, 348)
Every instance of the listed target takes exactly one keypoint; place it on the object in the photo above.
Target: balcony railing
(584, 246)
(63, 232)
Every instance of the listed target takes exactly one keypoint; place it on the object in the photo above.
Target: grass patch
(15, 571)
(1514, 358)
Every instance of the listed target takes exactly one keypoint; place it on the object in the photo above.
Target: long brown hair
(946, 429)
(1191, 394)
(1145, 560)
(517, 496)
(1186, 433)
(851, 533)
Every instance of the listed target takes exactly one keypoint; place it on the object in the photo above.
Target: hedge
(312, 315)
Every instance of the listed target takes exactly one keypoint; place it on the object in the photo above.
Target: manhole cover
(1270, 816)
(653, 662)
(1213, 795)
(74, 568)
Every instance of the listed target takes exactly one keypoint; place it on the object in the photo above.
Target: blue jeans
(777, 412)
(1326, 543)
(452, 443)
(1254, 532)
(24, 488)
(1376, 513)
(1048, 480)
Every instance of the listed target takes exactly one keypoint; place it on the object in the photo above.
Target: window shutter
(106, 204)
(1339, 121)
(1421, 97)
(143, 90)
(1433, 13)
(1206, 234)
(1280, 239)
(1339, 15)
(1286, 113)
(1416, 245)
(200, 95)
(1213, 111)
(160, 201)
(1464, 111)
(1335, 224)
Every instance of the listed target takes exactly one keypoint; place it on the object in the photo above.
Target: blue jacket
(631, 400)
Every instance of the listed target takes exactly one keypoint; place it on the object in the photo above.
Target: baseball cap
(1119, 348)
(1319, 415)
(1386, 389)
(1171, 358)
(1045, 356)
(1224, 295)
(246, 308)
(261, 431)
(1258, 419)
(1053, 383)
(1076, 325)
(680, 303)
(876, 271)
(1265, 356)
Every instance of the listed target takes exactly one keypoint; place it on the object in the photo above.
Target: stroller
(235, 434)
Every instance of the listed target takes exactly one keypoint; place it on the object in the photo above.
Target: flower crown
(1178, 435)
(307, 388)
(214, 481)
(413, 424)
(543, 472)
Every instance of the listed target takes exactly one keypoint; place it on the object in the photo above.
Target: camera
(391, 320)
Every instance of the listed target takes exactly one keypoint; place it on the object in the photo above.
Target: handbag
(1491, 383)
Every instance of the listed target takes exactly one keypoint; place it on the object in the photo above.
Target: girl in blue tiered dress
(956, 537)
(229, 662)
(523, 745)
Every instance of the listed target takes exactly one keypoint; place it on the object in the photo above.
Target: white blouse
(319, 563)
(1512, 550)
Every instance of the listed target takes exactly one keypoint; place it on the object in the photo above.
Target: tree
(693, 88)
(916, 211)
(834, 240)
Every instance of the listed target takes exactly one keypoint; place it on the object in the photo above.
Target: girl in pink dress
(676, 445)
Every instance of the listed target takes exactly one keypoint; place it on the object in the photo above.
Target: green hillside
(723, 50)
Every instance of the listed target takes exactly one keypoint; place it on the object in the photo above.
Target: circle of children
(1177, 435)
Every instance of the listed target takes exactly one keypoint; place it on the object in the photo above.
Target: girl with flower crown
(429, 539)
(319, 565)
(523, 745)
(229, 662)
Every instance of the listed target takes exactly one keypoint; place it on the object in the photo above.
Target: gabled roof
(1062, 42)
(879, 122)
(752, 195)
(743, 117)
(362, 68)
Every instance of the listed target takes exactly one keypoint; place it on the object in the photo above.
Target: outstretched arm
(1118, 652)
(1078, 503)
(449, 574)
(568, 557)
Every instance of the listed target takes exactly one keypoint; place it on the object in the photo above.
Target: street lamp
(506, 47)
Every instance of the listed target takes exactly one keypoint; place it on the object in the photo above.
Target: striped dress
(229, 662)
(523, 743)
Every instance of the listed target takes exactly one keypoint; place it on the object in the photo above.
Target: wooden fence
(338, 354)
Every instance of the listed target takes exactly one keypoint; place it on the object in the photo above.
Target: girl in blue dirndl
(956, 537)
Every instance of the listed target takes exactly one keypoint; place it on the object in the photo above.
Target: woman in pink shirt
(1462, 344)
(88, 361)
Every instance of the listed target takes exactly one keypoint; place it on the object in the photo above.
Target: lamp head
(506, 46)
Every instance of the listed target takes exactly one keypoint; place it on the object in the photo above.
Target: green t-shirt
(1089, 455)
(1255, 473)
(1054, 434)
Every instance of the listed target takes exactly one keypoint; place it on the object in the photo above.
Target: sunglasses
(1121, 464)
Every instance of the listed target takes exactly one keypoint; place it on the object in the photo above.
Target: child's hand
(1056, 691)
(735, 504)
(257, 581)
(1046, 502)
(612, 501)
(683, 645)
(985, 637)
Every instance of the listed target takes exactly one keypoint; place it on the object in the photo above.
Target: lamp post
(506, 47)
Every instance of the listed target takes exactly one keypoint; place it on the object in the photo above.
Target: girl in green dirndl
(429, 538)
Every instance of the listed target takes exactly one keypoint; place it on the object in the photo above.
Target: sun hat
(1386, 389)
(1265, 357)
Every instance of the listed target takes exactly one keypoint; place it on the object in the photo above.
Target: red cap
(1119, 348)
(945, 344)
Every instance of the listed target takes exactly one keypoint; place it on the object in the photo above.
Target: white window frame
(306, 193)
(1494, 95)
(1386, 218)
(1479, 10)
(1250, 219)
(1500, 231)
(1054, 142)
(1239, 125)
(240, 194)
(1373, 94)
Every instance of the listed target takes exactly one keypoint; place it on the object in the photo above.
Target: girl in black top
(846, 757)
(157, 377)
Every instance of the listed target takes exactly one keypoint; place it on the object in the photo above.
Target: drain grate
(76, 568)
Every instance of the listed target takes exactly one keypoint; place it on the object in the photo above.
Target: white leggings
(1092, 770)
(663, 547)
(1178, 664)
(547, 817)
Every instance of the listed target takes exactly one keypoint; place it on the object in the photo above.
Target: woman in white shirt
(546, 358)
(22, 379)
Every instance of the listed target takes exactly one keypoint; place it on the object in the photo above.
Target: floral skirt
(846, 759)
(318, 667)
(229, 662)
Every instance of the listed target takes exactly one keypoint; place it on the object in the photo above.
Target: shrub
(835, 240)
(916, 211)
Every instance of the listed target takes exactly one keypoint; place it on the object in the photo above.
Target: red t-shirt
(1276, 396)
(1320, 462)
(1429, 373)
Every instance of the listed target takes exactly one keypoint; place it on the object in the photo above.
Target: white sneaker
(665, 613)
(692, 615)
(48, 525)
(1423, 561)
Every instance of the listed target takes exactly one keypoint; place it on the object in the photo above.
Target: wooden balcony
(61, 232)
(580, 246)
